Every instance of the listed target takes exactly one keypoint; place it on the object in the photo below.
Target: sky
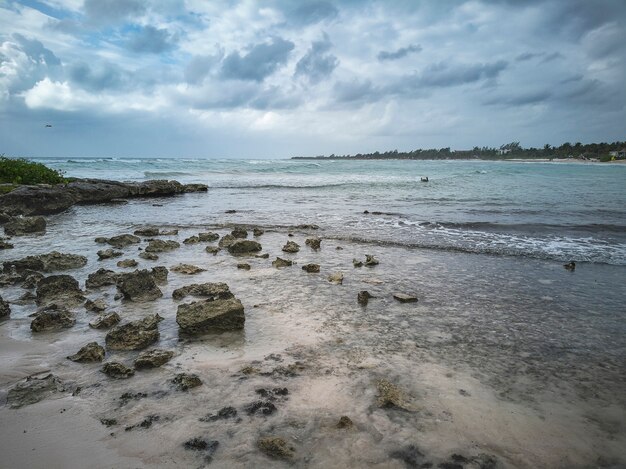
(279, 78)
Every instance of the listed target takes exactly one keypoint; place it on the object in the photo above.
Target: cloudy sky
(278, 78)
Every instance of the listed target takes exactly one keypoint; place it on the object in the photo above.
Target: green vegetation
(23, 171)
(509, 151)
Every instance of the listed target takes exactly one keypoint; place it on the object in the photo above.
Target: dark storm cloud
(261, 61)
(151, 40)
(104, 11)
(36, 50)
(311, 12)
(317, 64)
(400, 53)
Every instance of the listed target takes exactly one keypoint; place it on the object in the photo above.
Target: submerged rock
(239, 233)
(192, 240)
(106, 321)
(100, 240)
(275, 447)
(92, 352)
(313, 243)
(127, 263)
(95, 306)
(159, 245)
(33, 390)
(52, 318)
(311, 268)
(257, 232)
(19, 226)
(370, 260)
(5, 309)
(210, 290)
(123, 240)
(159, 274)
(153, 358)
(389, 396)
(223, 414)
(117, 370)
(31, 280)
(187, 269)
(62, 289)
(145, 423)
(134, 335)
(186, 381)
(260, 408)
(148, 231)
(4, 244)
(291, 247)
(172, 232)
(404, 298)
(212, 250)
(363, 297)
(208, 237)
(138, 286)
(108, 254)
(411, 456)
(357, 263)
(345, 422)
(201, 316)
(263, 256)
(571, 266)
(226, 241)
(244, 246)
(101, 278)
(336, 278)
(149, 256)
(47, 262)
(280, 262)
(199, 444)
(243, 266)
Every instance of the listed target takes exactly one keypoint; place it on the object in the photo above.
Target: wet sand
(504, 362)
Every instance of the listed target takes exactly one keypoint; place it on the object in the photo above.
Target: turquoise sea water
(557, 211)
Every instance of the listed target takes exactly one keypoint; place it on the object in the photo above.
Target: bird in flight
(48, 125)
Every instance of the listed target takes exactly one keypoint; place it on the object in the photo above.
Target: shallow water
(512, 357)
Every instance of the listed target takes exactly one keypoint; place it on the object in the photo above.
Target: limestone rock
(117, 370)
(192, 240)
(147, 231)
(370, 260)
(186, 381)
(244, 246)
(104, 254)
(159, 274)
(127, 263)
(404, 298)
(311, 268)
(19, 226)
(209, 290)
(313, 243)
(106, 321)
(390, 396)
(212, 250)
(62, 289)
(95, 306)
(158, 245)
(123, 240)
(34, 389)
(101, 278)
(4, 244)
(265, 255)
(52, 318)
(357, 263)
(336, 278)
(291, 247)
(201, 316)
(243, 266)
(153, 358)
(134, 335)
(363, 297)
(47, 262)
(275, 447)
(345, 422)
(5, 309)
(92, 352)
(208, 237)
(101, 240)
(138, 286)
(280, 262)
(187, 269)
(257, 232)
(149, 256)
(239, 233)
(226, 241)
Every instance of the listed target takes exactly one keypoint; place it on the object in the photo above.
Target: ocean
(557, 211)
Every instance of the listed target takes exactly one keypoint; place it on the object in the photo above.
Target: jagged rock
(19, 226)
(390, 396)
(207, 446)
(363, 297)
(172, 232)
(145, 423)
(192, 240)
(34, 389)
(244, 246)
(101, 240)
(148, 231)
(404, 298)
(186, 381)
(134, 335)
(212, 250)
(187, 188)
(108, 254)
(338, 248)
(571, 266)
(263, 256)
(344, 422)
(280, 262)
(260, 408)
(106, 321)
(127, 263)
(306, 226)
(208, 237)
(101, 278)
(336, 278)
(357, 263)
(291, 247)
(150, 256)
(313, 243)
(31, 280)
(230, 211)
(52, 318)
(201, 316)
(257, 232)
(370, 261)
(187, 269)
(138, 286)
(95, 306)
(92, 352)
(62, 289)
(123, 240)
(26, 298)
(239, 233)
(243, 266)
(47, 262)
(209, 290)
(224, 413)
(226, 241)
(159, 274)
(153, 358)
(159, 245)
(275, 447)
(117, 370)
(5, 309)
(4, 244)
(311, 268)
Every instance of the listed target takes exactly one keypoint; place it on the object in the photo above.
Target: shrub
(23, 171)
